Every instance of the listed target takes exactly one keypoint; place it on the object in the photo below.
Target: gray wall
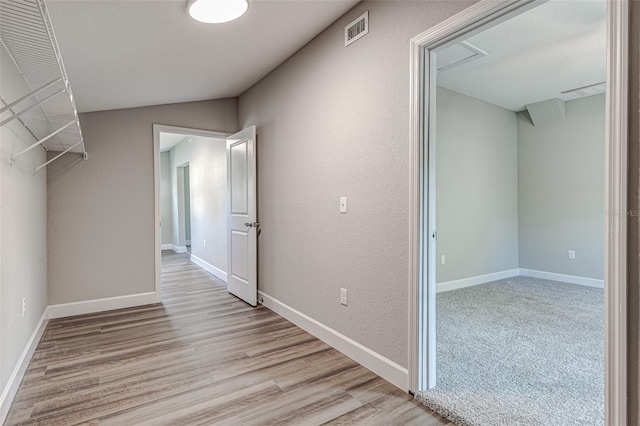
(166, 215)
(331, 122)
(23, 243)
(178, 157)
(187, 206)
(208, 164)
(561, 190)
(101, 211)
(207, 158)
(634, 220)
(477, 187)
(513, 195)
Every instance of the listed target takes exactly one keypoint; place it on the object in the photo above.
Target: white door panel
(239, 251)
(242, 278)
(239, 190)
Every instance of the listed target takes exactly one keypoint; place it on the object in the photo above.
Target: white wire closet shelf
(36, 90)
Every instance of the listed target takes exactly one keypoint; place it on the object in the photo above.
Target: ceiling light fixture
(216, 11)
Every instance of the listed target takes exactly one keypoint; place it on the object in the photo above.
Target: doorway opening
(191, 199)
(206, 205)
(506, 238)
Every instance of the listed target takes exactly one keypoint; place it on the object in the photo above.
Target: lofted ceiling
(555, 47)
(129, 53)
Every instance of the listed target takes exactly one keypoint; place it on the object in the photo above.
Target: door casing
(476, 18)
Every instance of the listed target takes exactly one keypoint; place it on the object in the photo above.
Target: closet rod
(30, 107)
(41, 141)
(30, 94)
(58, 156)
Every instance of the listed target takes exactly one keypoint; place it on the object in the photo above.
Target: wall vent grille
(356, 29)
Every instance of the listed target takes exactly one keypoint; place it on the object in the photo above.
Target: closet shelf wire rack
(36, 90)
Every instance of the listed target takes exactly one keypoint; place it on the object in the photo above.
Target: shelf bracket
(41, 141)
(56, 157)
(30, 107)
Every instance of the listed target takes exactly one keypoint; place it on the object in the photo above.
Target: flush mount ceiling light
(216, 11)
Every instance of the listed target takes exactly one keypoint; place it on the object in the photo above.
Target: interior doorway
(425, 257)
(191, 198)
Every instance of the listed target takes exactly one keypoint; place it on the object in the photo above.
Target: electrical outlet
(24, 306)
(443, 259)
(343, 296)
(572, 254)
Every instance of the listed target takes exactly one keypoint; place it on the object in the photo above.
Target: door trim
(421, 362)
(157, 129)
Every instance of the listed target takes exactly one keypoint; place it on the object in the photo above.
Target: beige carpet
(520, 351)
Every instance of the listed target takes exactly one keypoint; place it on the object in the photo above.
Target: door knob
(252, 224)
(248, 224)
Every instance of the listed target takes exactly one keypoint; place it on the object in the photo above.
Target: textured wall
(633, 305)
(208, 164)
(187, 206)
(334, 121)
(561, 190)
(178, 157)
(166, 215)
(477, 186)
(23, 242)
(207, 159)
(101, 211)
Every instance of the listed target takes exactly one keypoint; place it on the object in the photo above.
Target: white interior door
(242, 241)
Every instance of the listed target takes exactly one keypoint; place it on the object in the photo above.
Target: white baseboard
(11, 388)
(179, 249)
(477, 280)
(167, 247)
(571, 279)
(209, 268)
(100, 305)
(383, 367)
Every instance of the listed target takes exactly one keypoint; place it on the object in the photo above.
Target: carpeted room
(520, 211)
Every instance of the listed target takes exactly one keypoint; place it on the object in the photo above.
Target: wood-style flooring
(202, 357)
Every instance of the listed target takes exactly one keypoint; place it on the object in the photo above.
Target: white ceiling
(169, 140)
(558, 46)
(128, 53)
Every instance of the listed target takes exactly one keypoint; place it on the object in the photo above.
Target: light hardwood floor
(202, 357)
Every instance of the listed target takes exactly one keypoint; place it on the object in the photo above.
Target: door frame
(421, 362)
(157, 129)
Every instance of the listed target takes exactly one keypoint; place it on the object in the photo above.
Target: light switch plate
(343, 204)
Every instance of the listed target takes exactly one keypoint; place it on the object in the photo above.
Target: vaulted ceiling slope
(555, 47)
(129, 53)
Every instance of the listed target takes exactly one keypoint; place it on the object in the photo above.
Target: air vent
(356, 29)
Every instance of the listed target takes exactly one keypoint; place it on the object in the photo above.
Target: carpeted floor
(520, 351)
